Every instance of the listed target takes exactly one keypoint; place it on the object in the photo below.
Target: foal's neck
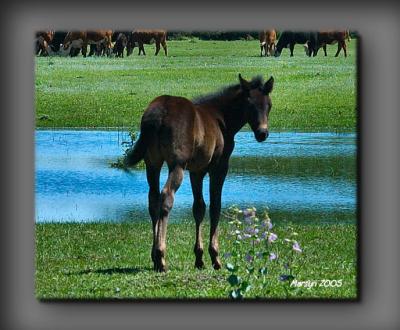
(233, 113)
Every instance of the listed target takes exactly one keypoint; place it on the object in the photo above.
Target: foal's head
(257, 104)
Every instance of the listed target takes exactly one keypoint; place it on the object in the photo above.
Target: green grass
(112, 261)
(310, 94)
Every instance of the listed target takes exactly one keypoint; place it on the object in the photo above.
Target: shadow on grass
(111, 271)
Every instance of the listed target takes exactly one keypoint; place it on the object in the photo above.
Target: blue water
(74, 180)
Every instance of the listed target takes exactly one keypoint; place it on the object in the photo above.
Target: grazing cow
(290, 38)
(80, 40)
(53, 46)
(140, 37)
(57, 41)
(43, 39)
(267, 42)
(328, 38)
(117, 33)
(120, 45)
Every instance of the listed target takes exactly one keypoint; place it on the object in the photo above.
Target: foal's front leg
(217, 178)
(199, 210)
(173, 183)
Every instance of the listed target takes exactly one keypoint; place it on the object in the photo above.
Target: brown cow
(328, 38)
(81, 39)
(267, 42)
(140, 37)
(43, 39)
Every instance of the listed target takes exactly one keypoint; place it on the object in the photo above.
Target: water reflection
(292, 173)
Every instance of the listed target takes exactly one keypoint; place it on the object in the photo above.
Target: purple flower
(272, 256)
(257, 241)
(249, 258)
(296, 247)
(252, 231)
(246, 235)
(249, 214)
(267, 224)
(272, 237)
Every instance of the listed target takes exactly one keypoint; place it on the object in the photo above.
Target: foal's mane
(227, 92)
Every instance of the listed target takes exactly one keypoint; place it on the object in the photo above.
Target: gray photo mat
(378, 25)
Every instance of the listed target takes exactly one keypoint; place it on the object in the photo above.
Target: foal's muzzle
(261, 135)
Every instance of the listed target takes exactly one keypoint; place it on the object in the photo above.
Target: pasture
(311, 94)
(111, 260)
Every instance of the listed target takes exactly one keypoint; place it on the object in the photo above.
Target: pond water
(298, 176)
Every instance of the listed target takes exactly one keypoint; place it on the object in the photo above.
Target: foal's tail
(148, 132)
(136, 153)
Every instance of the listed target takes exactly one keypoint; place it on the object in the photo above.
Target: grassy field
(96, 261)
(310, 94)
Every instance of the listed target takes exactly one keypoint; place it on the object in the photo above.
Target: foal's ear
(244, 83)
(269, 85)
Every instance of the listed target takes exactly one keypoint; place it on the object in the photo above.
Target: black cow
(120, 45)
(58, 39)
(115, 35)
(290, 38)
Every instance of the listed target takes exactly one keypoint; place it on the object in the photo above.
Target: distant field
(310, 94)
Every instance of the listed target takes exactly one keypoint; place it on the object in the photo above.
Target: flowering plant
(256, 250)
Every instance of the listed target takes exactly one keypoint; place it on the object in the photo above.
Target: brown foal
(197, 136)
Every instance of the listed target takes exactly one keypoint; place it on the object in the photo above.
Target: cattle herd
(101, 42)
(113, 43)
(312, 41)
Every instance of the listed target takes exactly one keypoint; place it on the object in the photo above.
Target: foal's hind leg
(173, 183)
(153, 179)
(199, 209)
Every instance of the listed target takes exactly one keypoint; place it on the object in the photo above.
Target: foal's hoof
(159, 267)
(199, 264)
(158, 257)
(217, 265)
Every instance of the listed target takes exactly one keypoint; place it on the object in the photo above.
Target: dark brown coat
(141, 36)
(80, 39)
(197, 136)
